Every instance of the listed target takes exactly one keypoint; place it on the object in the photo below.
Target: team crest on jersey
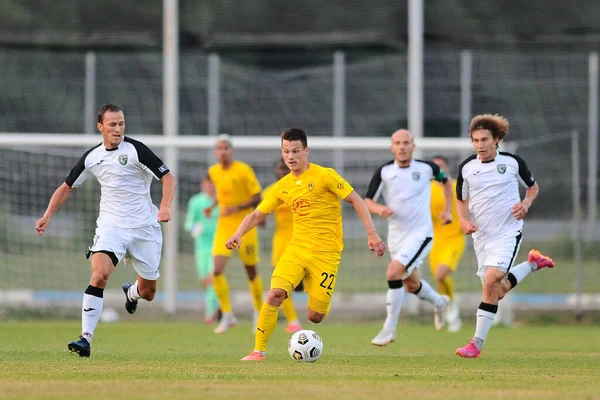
(501, 168)
(310, 186)
(416, 176)
(123, 159)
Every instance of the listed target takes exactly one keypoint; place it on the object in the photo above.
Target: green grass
(171, 360)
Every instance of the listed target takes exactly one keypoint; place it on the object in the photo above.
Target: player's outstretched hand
(376, 244)
(41, 225)
(233, 242)
(520, 210)
(385, 212)
(446, 217)
(468, 227)
(164, 214)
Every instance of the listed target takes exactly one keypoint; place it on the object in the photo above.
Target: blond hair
(496, 124)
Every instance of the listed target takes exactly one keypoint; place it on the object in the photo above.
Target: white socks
(520, 272)
(393, 300)
(485, 318)
(427, 293)
(132, 293)
(91, 309)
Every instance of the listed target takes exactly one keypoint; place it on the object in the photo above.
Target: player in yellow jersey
(281, 238)
(312, 192)
(448, 246)
(238, 192)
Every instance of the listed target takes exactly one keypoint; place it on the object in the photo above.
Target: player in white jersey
(406, 185)
(128, 223)
(490, 208)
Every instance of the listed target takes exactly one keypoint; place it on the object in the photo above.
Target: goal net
(53, 267)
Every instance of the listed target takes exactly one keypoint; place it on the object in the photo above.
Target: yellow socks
(288, 310)
(267, 321)
(256, 290)
(222, 291)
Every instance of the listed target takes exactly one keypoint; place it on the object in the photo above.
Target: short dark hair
(107, 108)
(293, 134)
(443, 158)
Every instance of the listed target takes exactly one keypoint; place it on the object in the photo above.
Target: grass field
(171, 360)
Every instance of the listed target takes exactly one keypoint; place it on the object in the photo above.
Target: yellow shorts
(248, 251)
(446, 251)
(318, 269)
(280, 242)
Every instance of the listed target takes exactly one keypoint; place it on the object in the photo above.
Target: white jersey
(407, 191)
(125, 175)
(492, 189)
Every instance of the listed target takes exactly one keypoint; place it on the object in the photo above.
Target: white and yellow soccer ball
(305, 345)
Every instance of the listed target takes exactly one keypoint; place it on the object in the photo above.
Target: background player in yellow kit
(312, 192)
(448, 246)
(238, 191)
(281, 238)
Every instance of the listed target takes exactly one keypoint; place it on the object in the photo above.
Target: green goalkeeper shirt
(195, 217)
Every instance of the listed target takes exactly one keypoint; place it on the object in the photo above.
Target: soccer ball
(305, 345)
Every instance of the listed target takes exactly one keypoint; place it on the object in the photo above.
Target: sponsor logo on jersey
(501, 168)
(163, 168)
(341, 185)
(301, 207)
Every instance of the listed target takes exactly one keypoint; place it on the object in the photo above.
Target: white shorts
(499, 253)
(140, 246)
(409, 251)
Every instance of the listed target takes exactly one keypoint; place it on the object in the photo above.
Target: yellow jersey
(283, 216)
(314, 200)
(437, 207)
(234, 186)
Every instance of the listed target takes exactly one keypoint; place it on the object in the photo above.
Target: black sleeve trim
(78, 168)
(459, 179)
(524, 172)
(436, 170)
(375, 182)
(148, 158)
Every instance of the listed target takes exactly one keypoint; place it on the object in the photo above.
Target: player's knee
(251, 271)
(100, 278)
(315, 317)
(441, 273)
(276, 296)
(395, 272)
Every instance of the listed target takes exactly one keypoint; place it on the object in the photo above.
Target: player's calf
(315, 317)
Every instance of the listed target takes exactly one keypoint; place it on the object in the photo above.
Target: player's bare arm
(168, 193)
(249, 222)
(60, 196)
(374, 241)
(208, 210)
(380, 209)
(467, 226)
(521, 209)
(446, 215)
(253, 202)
